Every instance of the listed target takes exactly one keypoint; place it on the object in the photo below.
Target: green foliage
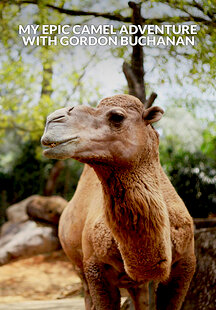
(29, 174)
(26, 176)
(194, 177)
(28, 73)
(209, 143)
(181, 130)
(193, 174)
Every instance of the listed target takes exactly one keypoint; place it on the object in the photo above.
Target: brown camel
(125, 225)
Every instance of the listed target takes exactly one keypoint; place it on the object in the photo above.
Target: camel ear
(152, 115)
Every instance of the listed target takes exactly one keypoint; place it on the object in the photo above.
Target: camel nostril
(58, 118)
(70, 109)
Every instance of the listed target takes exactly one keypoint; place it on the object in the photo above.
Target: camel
(125, 225)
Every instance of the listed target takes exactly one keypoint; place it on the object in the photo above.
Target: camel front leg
(87, 297)
(140, 297)
(88, 300)
(105, 295)
(170, 295)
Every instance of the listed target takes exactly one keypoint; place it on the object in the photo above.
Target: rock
(17, 212)
(46, 208)
(27, 239)
(202, 291)
(31, 228)
(75, 289)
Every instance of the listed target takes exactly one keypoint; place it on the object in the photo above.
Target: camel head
(117, 131)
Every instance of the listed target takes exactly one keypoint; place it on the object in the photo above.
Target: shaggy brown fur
(125, 225)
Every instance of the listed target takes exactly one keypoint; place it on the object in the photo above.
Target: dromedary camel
(125, 225)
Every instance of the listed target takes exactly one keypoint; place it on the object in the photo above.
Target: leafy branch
(208, 18)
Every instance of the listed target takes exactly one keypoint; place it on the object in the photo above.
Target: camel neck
(137, 216)
(132, 200)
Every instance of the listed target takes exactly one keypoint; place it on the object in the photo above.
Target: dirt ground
(41, 277)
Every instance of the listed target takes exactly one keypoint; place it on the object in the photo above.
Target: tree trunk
(205, 222)
(54, 174)
(46, 90)
(134, 72)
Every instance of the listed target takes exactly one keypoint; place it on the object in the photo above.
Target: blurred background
(36, 80)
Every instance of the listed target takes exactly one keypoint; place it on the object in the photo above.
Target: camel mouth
(53, 144)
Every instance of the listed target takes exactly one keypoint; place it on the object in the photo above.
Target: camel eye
(116, 117)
